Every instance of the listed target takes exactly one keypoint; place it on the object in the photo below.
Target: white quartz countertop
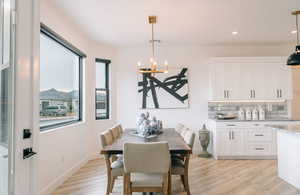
(267, 120)
(288, 128)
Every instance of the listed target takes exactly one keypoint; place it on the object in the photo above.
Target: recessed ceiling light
(234, 32)
(293, 31)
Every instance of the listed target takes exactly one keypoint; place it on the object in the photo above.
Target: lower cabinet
(244, 143)
(229, 142)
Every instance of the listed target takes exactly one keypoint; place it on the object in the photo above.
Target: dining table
(176, 143)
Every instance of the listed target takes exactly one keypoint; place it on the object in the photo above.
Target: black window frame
(45, 30)
(106, 89)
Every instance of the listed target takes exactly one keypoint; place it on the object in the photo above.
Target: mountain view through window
(59, 83)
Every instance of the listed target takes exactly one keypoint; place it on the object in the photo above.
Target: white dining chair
(179, 127)
(146, 167)
(114, 167)
(180, 164)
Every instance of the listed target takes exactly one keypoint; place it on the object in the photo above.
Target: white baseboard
(63, 177)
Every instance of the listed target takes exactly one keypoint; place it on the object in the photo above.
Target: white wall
(194, 57)
(64, 150)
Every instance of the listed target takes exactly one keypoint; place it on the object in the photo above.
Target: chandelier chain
(297, 26)
(153, 42)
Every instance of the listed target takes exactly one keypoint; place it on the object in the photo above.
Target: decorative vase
(204, 137)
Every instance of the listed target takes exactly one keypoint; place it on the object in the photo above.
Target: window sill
(62, 126)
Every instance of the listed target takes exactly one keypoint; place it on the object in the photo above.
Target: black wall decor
(164, 90)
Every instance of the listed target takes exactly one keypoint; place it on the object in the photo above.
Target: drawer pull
(259, 149)
(258, 135)
(230, 125)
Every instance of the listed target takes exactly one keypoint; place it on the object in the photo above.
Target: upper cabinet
(250, 79)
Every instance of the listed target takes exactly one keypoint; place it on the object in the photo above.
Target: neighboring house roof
(53, 94)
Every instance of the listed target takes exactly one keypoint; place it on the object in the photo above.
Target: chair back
(146, 157)
(179, 128)
(115, 132)
(106, 138)
(189, 138)
(183, 131)
(120, 128)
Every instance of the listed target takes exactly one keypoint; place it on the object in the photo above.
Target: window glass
(102, 89)
(100, 75)
(59, 83)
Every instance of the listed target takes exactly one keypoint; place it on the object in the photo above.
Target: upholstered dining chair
(180, 165)
(146, 167)
(120, 128)
(114, 167)
(115, 132)
(179, 127)
(183, 131)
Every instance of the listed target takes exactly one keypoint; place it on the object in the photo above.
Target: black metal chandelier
(294, 59)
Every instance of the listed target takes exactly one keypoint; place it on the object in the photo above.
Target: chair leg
(126, 183)
(186, 184)
(108, 187)
(169, 183)
(112, 184)
(182, 180)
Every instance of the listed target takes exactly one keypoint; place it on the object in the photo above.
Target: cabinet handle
(229, 134)
(227, 93)
(259, 149)
(280, 91)
(258, 135)
(232, 134)
(230, 125)
(224, 93)
(277, 93)
(254, 93)
(250, 93)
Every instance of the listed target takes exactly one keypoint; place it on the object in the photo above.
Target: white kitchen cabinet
(224, 146)
(237, 142)
(250, 79)
(230, 142)
(244, 140)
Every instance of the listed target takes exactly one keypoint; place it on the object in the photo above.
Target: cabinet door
(226, 84)
(284, 82)
(223, 142)
(218, 82)
(237, 142)
(232, 80)
(254, 82)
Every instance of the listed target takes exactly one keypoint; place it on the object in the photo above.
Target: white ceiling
(124, 22)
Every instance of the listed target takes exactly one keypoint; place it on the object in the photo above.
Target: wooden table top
(176, 143)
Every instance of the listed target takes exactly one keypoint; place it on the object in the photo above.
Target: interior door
(26, 96)
(18, 94)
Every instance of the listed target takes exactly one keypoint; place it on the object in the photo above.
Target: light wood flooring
(207, 177)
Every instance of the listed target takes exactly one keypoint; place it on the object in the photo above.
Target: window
(102, 89)
(60, 81)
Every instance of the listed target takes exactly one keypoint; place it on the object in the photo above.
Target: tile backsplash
(272, 110)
